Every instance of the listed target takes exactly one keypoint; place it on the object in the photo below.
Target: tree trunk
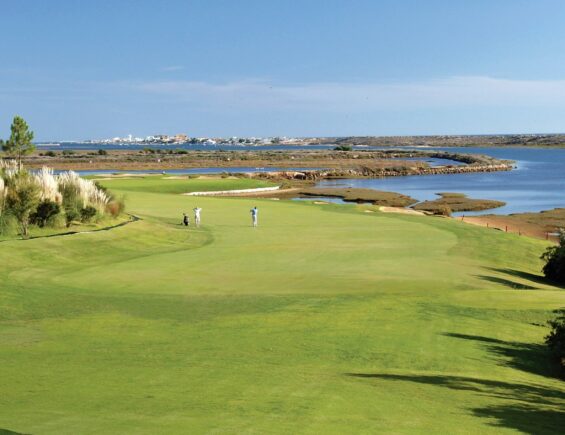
(24, 229)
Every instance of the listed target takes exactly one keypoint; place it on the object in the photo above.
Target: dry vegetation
(159, 158)
(376, 197)
(456, 202)
(515, 140)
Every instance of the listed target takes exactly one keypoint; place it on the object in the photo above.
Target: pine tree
(19, 144)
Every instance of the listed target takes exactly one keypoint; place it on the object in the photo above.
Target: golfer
(197, 211)
(254, 213)
(185, 220)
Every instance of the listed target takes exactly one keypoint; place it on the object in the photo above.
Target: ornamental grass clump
(48, 185)
(3, 192)
(80, 197)
(42, 198)
(9, 169)
(77, 190)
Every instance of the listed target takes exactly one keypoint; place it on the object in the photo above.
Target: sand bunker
(233, 192)
(401, 210)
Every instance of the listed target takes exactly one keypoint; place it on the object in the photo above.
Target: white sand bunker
(232, 192)
(401, 210)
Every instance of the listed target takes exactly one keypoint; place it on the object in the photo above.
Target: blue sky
(77, 69)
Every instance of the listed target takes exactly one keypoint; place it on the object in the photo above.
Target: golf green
(324, 319)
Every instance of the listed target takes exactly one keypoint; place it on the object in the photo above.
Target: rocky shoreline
(374, 172)
(179, 159)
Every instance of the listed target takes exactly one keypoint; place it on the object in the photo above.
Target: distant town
(179, 139)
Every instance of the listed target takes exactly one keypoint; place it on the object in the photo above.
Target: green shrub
(50, 154)
(343, 148)
(286, 184)
(22, 199)
(556, 338)
(102, 188)
(71, 215)
(554, 258)
(102, 152)
(44, 213)
(87, 213)
(193, 176)
(8, 224)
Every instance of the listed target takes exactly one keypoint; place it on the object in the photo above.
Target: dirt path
(509, 225)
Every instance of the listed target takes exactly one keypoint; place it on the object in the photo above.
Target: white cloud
(464, 91)
(172, 68)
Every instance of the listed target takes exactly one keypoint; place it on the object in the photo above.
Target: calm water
(538, 183)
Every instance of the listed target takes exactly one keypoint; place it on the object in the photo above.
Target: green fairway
(183, 184)
(325, 319)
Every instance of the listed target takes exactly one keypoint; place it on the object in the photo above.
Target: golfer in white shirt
(197, 211)
(254, 213)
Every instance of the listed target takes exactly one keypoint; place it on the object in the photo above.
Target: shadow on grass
(506, 282)
(532, 358)
(525, 418)
(132, 218)
(534, 409)
(532, 277)
(9, 432)
(528, 408)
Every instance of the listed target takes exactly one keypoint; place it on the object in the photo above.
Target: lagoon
(537, 184)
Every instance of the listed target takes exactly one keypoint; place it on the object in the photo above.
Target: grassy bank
(325, 319)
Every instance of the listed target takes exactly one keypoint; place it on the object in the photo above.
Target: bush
(87, 213)
(8, 224)
(77, 193)
(102, 152)
(68, 152)
(45, 211)
(442, 210)
(286, 184)
(22, 199)
(116, 207)
(343, 148)
(556, 338)
(71, 214)
(38, 198)
(554, 258)
(50, 154)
